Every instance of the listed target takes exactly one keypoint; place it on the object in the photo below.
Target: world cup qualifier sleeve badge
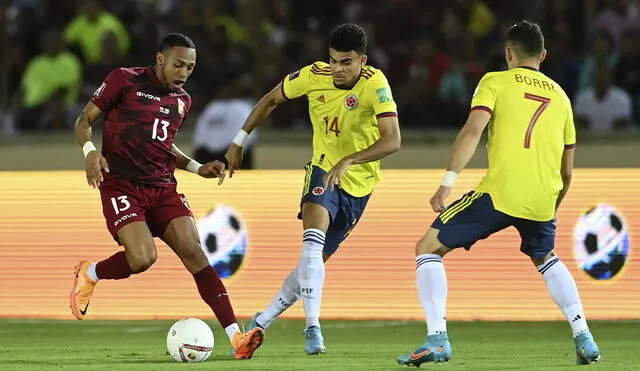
(351, 101)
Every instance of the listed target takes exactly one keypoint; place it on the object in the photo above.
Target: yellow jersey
(531, 125)
(344, 120)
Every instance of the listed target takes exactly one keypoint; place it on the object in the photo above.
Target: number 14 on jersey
(331, 125)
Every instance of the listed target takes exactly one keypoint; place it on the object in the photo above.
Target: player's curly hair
(347, 37)
(526, 37)
(173, 40)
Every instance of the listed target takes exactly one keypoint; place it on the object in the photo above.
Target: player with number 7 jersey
(144, 108)
(531, 151)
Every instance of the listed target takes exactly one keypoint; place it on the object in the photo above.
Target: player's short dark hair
(527, 38)
(173, 40)
(347, 37)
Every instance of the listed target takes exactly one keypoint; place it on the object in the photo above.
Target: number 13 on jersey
(160, 130)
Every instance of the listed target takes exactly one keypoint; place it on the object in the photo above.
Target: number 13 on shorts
(120, 204)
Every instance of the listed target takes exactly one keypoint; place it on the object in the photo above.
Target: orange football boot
(82, 290)
(244, 344)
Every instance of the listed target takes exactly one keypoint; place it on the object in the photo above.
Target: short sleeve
(108, 94)
(484, 97)
(296, 84)
(569, 130)
(381, 98)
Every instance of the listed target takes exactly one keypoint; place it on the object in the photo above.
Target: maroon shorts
(124, 201)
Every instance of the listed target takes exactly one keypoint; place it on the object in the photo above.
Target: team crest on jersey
(181, 107)
(317, 191)
(99, 91)
(351, 101)
(294, 75)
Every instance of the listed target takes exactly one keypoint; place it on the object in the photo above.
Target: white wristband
(88, 147)
(240, 137)
(449, 178)
(193, 166)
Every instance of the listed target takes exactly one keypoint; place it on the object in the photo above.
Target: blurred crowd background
(54, 53)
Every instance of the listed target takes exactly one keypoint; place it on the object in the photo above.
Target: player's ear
(508, 53)
(159, 58)
(543, 55)
(363, 59)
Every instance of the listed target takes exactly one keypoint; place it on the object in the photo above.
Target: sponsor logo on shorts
(123, 218)
(318, 191)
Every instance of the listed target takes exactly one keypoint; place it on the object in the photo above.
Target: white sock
(432, 290)
(289, 293)
(311, 274)
(231, 330)
(91, 272)
(564, 292)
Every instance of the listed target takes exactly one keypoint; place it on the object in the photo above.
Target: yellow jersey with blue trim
(531, 125)
(344, 121)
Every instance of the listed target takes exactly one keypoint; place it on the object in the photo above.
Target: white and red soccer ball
(190, 340)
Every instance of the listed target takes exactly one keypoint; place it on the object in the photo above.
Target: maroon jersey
(142, 119)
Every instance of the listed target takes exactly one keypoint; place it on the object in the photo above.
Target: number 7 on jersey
(544, 103)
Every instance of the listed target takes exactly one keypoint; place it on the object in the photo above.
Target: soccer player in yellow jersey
(355, 124)
(531, 143)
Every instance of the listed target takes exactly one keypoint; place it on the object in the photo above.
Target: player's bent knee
(142, 261)
(315, 216)
(541, 260)
(429, 244)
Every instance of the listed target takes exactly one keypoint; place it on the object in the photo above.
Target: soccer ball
(224, 239)
(601, 242)
(190, 340)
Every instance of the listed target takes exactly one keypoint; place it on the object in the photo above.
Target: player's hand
(234, 158)
(213, 169)
(93, 166)
(437, 201)
(334, 176)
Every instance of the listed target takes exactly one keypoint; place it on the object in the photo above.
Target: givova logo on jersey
(148, 96)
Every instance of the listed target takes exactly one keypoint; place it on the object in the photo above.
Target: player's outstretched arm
(463, 149)
(566, 172)
(95, 162)
(213, 169)
(389, 142)
(258, 114)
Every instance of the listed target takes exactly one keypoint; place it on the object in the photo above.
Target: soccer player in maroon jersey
(145, 107)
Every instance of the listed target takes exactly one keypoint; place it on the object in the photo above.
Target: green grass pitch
(351, 345)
